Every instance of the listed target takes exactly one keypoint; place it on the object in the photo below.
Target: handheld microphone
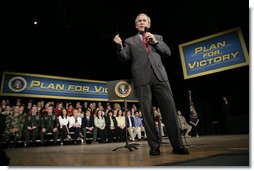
(146, 29)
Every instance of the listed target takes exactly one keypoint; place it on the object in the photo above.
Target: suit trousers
(161, 92)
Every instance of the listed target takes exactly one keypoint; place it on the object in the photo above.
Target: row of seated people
(106, 127)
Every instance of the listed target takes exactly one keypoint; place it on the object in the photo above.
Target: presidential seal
(123, 89)
(17, 84)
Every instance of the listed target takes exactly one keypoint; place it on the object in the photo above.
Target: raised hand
(118, 40)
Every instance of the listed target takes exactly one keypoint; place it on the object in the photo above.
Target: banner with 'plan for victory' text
(214, 53)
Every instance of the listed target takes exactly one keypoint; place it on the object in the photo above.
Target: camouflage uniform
(49, 122)
(14, 121)
(34, 122)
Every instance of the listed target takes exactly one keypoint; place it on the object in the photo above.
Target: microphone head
(146, 29)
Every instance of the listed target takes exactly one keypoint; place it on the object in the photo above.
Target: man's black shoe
(180, 150)
(154, 151)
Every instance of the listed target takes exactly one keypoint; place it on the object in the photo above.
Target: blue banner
(214, 53)
(44, 86)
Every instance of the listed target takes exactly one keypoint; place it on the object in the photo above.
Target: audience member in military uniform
(43, 111)
(7, 110)
(111, 125)
(40, 106)
(23, 114)
(3, 115)
(14, 126)
(32, 126)
(22, 110)
(29, 106)
(88, 126)
(75, 124)
(49, 124)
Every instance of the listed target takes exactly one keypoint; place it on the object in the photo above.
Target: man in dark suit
(88, 126)
(150, 80)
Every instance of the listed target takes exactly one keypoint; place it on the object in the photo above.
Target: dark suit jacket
(87, 123)
(142, 61)
(108, 121)
(132, 122)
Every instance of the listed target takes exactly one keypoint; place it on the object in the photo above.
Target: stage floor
(103, 154)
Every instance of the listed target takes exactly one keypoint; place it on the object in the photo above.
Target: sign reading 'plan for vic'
(46, 86)
(214, 53)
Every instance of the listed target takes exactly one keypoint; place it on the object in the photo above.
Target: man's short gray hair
(148, 18)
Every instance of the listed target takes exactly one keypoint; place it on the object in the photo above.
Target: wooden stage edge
(103, 155)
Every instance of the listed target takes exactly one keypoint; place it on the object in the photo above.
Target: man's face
(88, 113)
(75, 112)
(34, 109)
(8, 108)
(142, 22)
(136, 114)
(16, 109)
(50, 109)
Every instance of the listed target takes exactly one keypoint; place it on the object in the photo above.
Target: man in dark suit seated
(87, 125)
